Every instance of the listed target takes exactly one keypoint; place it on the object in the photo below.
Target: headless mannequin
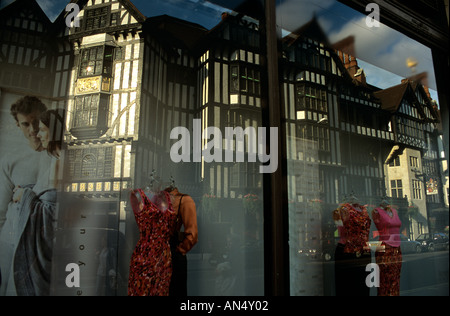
(154, 193)
(389, 256)
(351, 256)
(182, 240)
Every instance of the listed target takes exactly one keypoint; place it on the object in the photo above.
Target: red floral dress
(357, 223)
(151, 262)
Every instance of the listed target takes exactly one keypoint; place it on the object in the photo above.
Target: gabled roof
(133, 10)
(20, 5)
(391, 98)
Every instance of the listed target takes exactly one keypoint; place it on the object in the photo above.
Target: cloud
(292, 14)
(380, 46)
(387, 48)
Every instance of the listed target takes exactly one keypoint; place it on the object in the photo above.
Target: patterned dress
(389, 260)
(356, 228)
(151, 262)
(352, 252)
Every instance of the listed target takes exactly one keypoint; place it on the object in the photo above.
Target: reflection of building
(414, 159)
(335, 113)
(32, 60)
(127, 81)
(358, 132)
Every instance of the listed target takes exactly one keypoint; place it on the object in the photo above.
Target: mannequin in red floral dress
(352, 253)
(151, 262)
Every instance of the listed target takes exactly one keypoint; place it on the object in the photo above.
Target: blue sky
(382, 51)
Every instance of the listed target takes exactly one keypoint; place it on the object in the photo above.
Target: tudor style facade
(414, 159)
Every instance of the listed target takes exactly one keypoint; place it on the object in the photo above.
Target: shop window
(331, 151)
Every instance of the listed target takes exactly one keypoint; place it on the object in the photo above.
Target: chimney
(345, 49)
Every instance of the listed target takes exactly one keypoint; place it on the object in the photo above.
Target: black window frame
(99, 57)
(97, 18)
(245, 79)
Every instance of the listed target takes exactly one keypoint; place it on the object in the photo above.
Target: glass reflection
(359, 112)
(349, 135)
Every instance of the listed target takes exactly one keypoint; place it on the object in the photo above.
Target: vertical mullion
(275, 185)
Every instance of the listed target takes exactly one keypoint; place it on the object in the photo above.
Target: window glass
(152, 169)
(343, 187)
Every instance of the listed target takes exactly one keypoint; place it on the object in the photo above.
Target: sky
(381, 51)
(375, 48)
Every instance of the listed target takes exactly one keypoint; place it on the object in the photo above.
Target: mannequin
(389, 257)
(183, 240)
(155, 193)
(151, 262)
(352, 254)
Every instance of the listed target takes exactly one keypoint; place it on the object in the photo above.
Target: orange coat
(188, 218)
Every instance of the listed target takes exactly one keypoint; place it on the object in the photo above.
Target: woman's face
(43, 134)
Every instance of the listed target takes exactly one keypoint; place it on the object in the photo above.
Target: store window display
(158, 265)
(158, 66)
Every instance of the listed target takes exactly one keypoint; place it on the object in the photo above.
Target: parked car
(432, 242)
(409, 246)
(406, 245)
